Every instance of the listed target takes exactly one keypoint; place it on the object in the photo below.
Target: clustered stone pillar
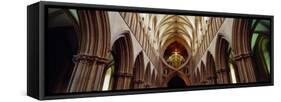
(242, 50)
(123, 80)
(139, 84)
(222, 75)
(88, 74)
(94, 46)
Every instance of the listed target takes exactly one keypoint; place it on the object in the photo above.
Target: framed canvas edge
(42, 11)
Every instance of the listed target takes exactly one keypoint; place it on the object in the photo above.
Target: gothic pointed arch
(147, 76)
(61, 44)
(203, 74)
(222, 65)
(183, 76)
(211, 69)
(176, 82)
(260, 44)
(138, 79)
(233, 71)
(123, 54)
(108, 74)
(175, 54)
(96, 50)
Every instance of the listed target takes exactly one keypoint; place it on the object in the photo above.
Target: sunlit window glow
(107, 79)
(232, 74)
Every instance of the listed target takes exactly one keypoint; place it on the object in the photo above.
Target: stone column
(222, 75)
(88, 73)
(139, 84)
(123, 80)
(242, 50)
(211, 80)
(93, 48)
(245, 68)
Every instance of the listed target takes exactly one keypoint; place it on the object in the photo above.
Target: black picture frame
(36, 22)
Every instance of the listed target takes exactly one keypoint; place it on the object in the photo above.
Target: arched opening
(233, 73)
(202, 73)
(61, 44)
(109, 74)
(176, 82)
(138, 78)
(148, 76)
(175, 54)
(260, 44)
(226, 68)
(211, 70)
(123, 54)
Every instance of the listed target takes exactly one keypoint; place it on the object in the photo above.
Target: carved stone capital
(124, 74)
(242, 56)
(89, 59)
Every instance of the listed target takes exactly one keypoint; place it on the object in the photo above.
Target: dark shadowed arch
(180, 74)
(222, 67)
(123, 54)
(138, 79)
(261, 49)
(176, 82)
(147, 77)
(211, 69)
(61, 44)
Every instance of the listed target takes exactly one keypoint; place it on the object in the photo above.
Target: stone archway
(147, 77)
(183, 77)
(138, 79)
(222, 66)
(123, 55)
(176, 82)
(210, 70)
(202, 73)
(261, 49)
(61, 44)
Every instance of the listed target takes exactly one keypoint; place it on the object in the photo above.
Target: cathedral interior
(96, 50)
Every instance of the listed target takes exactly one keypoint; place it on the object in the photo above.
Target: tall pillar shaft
(245, 68)
(242, 50)
(123, 80)
(222, 75)
(88, 73)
